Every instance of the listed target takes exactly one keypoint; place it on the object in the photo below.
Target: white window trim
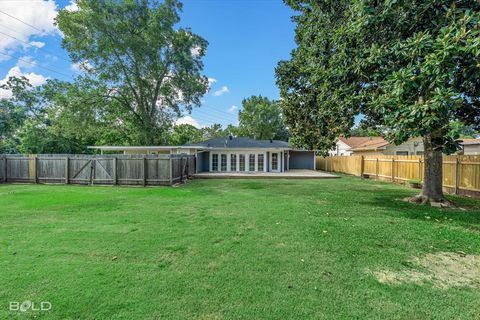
(246, 154)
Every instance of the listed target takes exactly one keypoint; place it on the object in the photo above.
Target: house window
(233, 162)
(260, 162)
(402, 153)
(241, 157)
(251, 162)
(274, 161)
(214, 162)
(224, 162)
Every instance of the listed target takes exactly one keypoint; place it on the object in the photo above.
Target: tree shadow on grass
(391, 200)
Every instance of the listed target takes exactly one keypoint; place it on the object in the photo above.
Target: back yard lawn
(238, 249)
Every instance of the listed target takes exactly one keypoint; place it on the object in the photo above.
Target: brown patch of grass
(442, 269)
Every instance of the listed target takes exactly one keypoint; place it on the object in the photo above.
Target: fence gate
(89, 169)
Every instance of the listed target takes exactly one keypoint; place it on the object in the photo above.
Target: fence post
(456, 174)
(362, 166)
(5, 170)
(170, 169)
(92, 171)
(144, 171)
(181, 169)
(35, 168)
(393, 169)
(67, 171)
(115, 180)
(376, 168)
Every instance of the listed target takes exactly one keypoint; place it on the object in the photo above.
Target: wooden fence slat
(85, 169)
(460, 173)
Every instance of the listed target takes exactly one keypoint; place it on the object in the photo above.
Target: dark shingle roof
(240, 142)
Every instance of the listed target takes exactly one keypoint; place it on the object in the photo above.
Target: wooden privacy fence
(102, 170)
(461, 174)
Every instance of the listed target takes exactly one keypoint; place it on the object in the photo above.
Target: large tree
(135, 51)
(261, 118)
(411, 66)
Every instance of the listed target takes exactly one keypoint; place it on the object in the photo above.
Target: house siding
(203, 159)
(471, 149)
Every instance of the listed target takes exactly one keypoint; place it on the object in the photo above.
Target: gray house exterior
(232, 154)
(249, 155)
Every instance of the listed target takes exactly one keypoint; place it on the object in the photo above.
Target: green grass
(238, 249)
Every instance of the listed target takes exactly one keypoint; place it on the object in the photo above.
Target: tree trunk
(432, 183)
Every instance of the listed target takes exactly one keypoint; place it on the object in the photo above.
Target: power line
(220, 111)
(35, 65)
(25, 23)
(28, 44)
(213, 116)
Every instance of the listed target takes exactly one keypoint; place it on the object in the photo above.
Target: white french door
(238, 162)
(275, 161)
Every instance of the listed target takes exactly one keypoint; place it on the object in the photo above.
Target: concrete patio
(291, 174)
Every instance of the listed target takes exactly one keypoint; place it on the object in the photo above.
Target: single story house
(363, 146)
(344, 146)
(378, 146)
(233, 154)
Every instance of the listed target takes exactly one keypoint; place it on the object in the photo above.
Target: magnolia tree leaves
(410, 67)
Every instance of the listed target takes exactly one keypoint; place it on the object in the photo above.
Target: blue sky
(246, 39)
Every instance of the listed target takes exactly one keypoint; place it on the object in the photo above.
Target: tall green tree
(147, 64)
(261, 118)
(410, 66)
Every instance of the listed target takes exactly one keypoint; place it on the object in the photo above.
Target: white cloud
(39, 14)
(51, 57)
(211, 81)
(221, 92)
(81, 67)
(37, 44)
(233, 109)
(188, 120)
(34, 78)
(26, 62)
(72, 6)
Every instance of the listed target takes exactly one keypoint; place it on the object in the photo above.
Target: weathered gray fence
(103, 170)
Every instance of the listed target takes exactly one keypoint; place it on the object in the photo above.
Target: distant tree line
(141, 72)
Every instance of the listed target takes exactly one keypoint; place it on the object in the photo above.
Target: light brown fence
(104, 169)
(461, 174)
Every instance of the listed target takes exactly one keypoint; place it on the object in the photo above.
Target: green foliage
(213, 131)
(458, 129)
(362, 131)
(261, 118)
(184, 133)
(410, 66)
(136, 54)
(12, 116)
(58, 117)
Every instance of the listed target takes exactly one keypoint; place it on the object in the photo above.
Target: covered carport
(300, 159)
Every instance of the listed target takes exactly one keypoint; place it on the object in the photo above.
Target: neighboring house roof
(364, 143)
(239, 142)
(470, 141)
(374, 143)
(354, 142)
